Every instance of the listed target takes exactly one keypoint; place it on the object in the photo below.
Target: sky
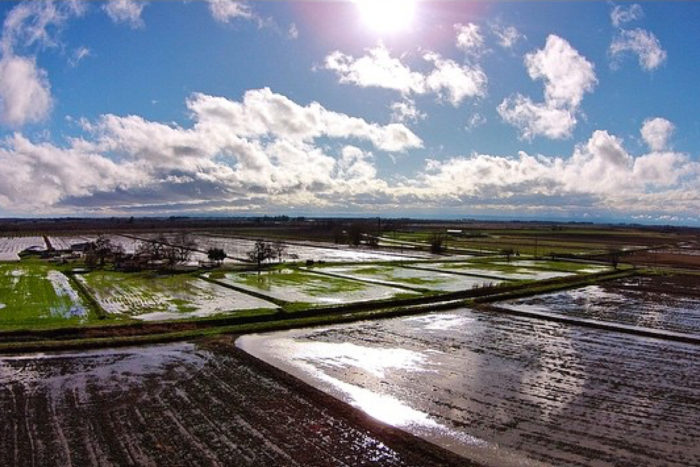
(583, 111)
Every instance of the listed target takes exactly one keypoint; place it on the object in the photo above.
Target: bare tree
(437, 242)
(184, 244)
(279, 249)
(261, 252)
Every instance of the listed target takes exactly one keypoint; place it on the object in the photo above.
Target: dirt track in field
(183, 404)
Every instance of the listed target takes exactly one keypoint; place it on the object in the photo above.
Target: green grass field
(295, 286)
(36, 294)
(151, 296)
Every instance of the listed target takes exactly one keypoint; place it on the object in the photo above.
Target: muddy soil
(508, 390)
(182, 404)
(670, 303)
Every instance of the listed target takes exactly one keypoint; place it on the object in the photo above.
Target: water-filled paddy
(669, 303)
(493, 270)
(291, 285)
(507, 390)
(149, 296)
(36, 294)
(409, 277)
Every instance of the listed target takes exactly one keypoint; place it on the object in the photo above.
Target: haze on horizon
(556, 110)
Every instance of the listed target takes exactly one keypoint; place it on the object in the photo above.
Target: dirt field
(182, 404)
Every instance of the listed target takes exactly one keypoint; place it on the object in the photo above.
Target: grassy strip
(266, 326)
(87, 296)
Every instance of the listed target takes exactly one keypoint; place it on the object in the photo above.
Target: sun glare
(387, 16)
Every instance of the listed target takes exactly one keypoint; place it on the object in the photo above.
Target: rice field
(65, 242)
(495, 270)
(291, 285)
(409, 277)
(153, 297)
(10, 247)
(507, 390)
(34, 294)
(670, 303)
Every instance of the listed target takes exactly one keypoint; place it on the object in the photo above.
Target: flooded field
(291, 285)
(149, 296)
(670, 303)
(494, 270)
(507, 390)
(10, 247)
(409, 277)
(36, 294)
(177, 404)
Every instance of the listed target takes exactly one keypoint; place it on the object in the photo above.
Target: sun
(387, 16)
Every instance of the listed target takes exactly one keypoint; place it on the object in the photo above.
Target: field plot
(439, 281)
(176, 404)
(494, 270)
(507, 390)
(149, 296)
(65, 242)
(566, 266)
(238, 247)
(35, 294)
(291, 285)
(10, 247)
(671, 303)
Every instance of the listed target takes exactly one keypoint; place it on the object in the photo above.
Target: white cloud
(25, 92)
(406, 110)
(656, 132)
(600, 175)
(293, 31)
(475, 121)
(507, 36)
(454, 82)
(642, 43)
(78, 55)
(226, 10)
(625, 14)
(567, 76)
(375, 69)
(126, 11)
(469, 38)
(447, 79)
(263, 146)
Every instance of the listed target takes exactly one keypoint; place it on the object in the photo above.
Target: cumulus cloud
(25, 92)
(567, 76)
(268, 151)
(507, 36)
(600, 174)
(621, 15)
(377, 68)
(469, 38)
(656, 132)
(641, 43)
(293, 31)
(126, 12)
(226, 10)
(265, 146)
(406, 110)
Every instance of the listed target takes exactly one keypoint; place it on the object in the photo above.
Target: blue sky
(564, 110)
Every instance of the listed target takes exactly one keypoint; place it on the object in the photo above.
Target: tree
(261, 252)
(216, 254)
(614, 255)
(508, 252)
(279, 249)
(355, 233)
(437, 242)
(184, 245)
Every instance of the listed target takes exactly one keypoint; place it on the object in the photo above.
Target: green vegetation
(163, 296)
(35, 294)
